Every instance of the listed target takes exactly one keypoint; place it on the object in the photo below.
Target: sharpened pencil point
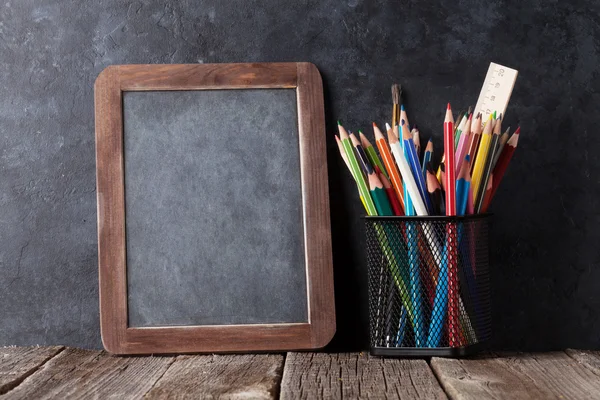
(339, 123)
(374, 124)
(517, 131)
(387, 126)
(449, 108)
(402, 107)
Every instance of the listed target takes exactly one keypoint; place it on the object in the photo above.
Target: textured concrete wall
(545, 256)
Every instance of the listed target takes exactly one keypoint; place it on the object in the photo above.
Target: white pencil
(407, 176)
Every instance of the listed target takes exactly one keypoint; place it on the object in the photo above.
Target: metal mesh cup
(429, 289)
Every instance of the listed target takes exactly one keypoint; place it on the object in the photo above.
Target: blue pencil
(427, 158)
(413, 256)
(413, 160)
(463, 183)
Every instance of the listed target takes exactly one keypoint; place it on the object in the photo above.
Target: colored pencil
(345, 158)
(487, 194)
(427, 156)
(409, 209)
(451, 240)
(365, 164)
(463, 143)
(474, 139)
(403, 115)
(416, 136)
(407, 176)
(470, 207)
(389, 191)
(449, 163)
(488, 166)
(435, 191)
(396, 93)
(371, 153)
(390, 165)
(442, 176)
(503, 139)
(504, 160)
(481, 158)
(463, 183)
(460, 128)
(415, 166)
(360, 180)
(379, 196)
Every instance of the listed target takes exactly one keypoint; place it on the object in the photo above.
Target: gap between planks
(554, 375)
(76, 373)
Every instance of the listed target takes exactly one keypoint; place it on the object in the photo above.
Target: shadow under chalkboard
(213, 201)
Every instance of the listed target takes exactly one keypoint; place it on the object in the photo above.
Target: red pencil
(503, 161)
(454, 330)
(450, 167)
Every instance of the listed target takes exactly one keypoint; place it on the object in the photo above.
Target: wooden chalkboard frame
(117, 336)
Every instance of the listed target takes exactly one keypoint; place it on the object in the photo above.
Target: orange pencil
(390, 165)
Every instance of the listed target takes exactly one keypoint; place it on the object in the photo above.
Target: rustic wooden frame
(117, 337)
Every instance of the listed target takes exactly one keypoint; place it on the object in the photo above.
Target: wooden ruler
(496, 90)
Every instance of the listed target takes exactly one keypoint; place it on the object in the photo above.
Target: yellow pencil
(482, 152)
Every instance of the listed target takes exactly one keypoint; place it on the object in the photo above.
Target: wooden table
(64, 373)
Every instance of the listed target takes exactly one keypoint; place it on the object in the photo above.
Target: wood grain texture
(17, 363)
(110, 186)
(116, 336)
(355, 376)
(315, 189)
(221, 377)
(522, 376)
(207, 76)
(75, 374)
(588, 358)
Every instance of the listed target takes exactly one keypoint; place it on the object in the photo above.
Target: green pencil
(371, 154)
(382, 203)
(360, 180)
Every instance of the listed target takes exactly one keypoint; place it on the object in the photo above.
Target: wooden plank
(76, 373)
(356, 375)
(522, 376)
(250, 376)
(588, 358)
(17, 363)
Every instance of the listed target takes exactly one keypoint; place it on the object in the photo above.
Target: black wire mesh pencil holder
(429, 292)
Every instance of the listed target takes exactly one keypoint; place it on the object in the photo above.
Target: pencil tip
(449, 108)
(402, 107)
(374, 125)
(415, 127)
(339, 123)
(387, 126)
(360, 132)
(518, 130)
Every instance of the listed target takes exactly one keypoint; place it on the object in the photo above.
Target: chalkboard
(214, 208)
(213, 211)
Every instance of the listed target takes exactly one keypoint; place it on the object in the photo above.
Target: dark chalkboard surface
(214, 208)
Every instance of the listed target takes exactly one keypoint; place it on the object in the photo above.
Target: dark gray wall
(545, 236)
